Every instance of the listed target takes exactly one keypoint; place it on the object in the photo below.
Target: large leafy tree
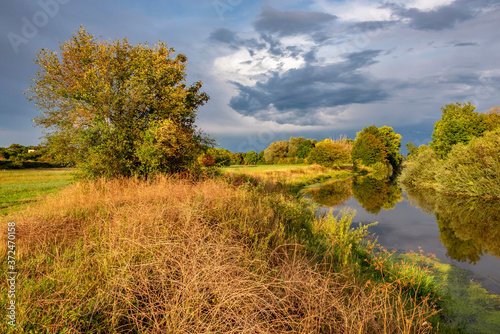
(118, 108)
(377, 145)
(459, 124)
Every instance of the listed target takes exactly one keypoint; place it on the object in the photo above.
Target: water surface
(462, 231)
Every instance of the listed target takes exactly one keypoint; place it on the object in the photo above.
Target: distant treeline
(375, 147)
(463, 156)
(17, 156)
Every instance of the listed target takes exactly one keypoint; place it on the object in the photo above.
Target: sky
(274, 69)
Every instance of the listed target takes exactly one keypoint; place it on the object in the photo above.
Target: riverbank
(232, 254)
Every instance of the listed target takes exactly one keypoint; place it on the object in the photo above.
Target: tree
(330, 153)
(368, 150)
(412, 149)
(459, 124)
(221, 155)
(305, 148)
(104, 103)
(251, 158)
(276, 150)
(378, 145)
(493, 118)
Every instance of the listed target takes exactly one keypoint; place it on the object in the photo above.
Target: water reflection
(373, 194)
(335, 193)
(469, 227)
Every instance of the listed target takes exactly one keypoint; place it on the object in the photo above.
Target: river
(462, 231)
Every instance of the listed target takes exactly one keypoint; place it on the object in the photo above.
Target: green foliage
(330, 153)
(167, 148)
(458, 125)
(221, 155)
(412, 149)
(374, 195)
(106, 100)
(276, 150)
(493, 118)
(473, 169)
(421, 168)
(368, 150)
(381, 171)
(251, 158)
(377, 145)
(331, 194)
(237, 158)
(305, 148)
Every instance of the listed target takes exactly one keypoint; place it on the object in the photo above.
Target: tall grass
(174, 256)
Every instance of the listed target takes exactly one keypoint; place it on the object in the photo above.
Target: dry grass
(300, 175)
(173, 256)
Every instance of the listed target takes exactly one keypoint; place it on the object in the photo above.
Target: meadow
(20, 187)
(239, 253)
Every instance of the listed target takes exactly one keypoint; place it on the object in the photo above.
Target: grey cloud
(291, 22)
(466, 44)
(231, 39)
(443, 17)
(298, 93)
(226, 36)
(439, 19)
(368, 27)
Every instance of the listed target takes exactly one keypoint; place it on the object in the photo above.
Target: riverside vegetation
(238, 253)
(464, 156)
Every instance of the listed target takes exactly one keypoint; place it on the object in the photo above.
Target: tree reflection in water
(469, 226)
(335, 193)
(373, 194)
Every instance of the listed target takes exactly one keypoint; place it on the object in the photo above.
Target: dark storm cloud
(444, 17)
(290, 23)
(298, 93)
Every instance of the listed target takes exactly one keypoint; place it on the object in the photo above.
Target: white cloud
(354, 10)
(426, 5)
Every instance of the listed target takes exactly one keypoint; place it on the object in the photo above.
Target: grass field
(23, 186)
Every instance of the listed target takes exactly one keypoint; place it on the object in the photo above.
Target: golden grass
(173, 256)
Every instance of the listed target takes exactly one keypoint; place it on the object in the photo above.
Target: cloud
(301, 96)
(466, 44)
(289, 23)
(445, 16)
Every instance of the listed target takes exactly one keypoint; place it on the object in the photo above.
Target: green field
(20, 187)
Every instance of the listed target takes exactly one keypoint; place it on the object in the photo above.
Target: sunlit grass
(21, 187)
(175, 256)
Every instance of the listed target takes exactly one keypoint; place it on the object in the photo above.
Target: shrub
(330, 153)
(421, 168)
(473, 169)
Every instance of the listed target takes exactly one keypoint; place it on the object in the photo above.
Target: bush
(473, 169)
(330, 153)
(421, 168)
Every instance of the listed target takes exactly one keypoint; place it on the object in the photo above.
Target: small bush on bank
(422, 168)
